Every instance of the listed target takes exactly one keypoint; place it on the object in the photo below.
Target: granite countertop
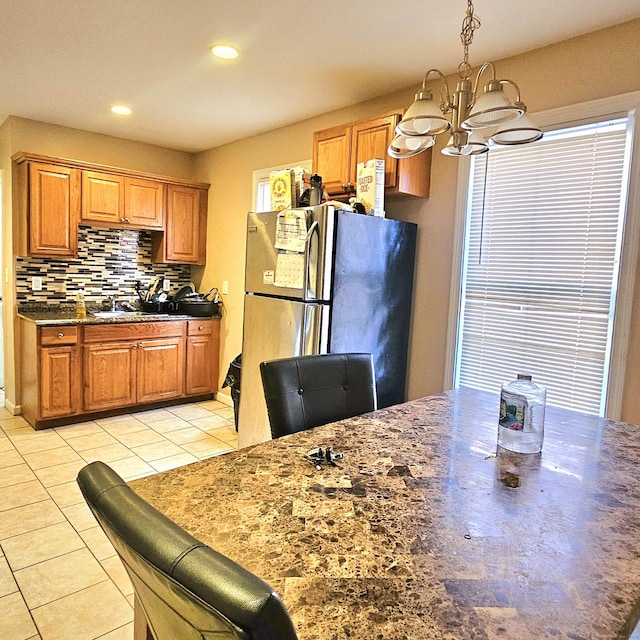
(61, 315)
(426, 530)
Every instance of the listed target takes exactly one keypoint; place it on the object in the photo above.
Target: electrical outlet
(225, 287)
(166, 284)
(36, 283)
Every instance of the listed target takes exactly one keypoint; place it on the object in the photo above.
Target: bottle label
(514, 412)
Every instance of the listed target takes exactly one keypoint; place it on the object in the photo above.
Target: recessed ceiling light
(121, 110)
(224, 51)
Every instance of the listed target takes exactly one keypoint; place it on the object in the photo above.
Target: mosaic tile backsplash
(109, 262)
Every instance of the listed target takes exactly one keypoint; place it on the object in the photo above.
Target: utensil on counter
(199, 305)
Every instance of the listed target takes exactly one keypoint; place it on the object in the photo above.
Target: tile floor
(56, 565)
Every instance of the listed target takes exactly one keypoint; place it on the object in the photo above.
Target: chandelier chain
(469, 25)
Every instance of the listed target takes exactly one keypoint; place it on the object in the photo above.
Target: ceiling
(66, 61)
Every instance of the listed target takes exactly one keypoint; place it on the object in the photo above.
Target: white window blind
(540, 267)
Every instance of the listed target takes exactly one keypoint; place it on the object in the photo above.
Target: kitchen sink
(117, 314)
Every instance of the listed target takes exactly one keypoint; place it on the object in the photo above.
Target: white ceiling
(66, 61)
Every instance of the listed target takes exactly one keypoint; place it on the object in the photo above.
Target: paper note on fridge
(291, 230)
(290, 270)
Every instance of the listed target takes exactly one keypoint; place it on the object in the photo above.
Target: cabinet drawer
(199, 327)
(58, 335)
(133, 331)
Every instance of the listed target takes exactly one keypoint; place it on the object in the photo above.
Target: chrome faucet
(113, 302)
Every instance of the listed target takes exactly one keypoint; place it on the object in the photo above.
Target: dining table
(425, 528)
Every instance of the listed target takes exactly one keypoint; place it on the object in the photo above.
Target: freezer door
(273, 328)
(264, 269)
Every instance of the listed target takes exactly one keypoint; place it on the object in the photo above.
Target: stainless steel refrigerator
(320, 281)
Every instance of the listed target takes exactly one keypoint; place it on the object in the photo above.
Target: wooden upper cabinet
(121, 201)
(50, 207)
(184, 238)
(338, 150)
(332, 158)
(102, 198)
(144, 203)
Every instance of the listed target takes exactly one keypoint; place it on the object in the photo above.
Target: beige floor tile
(51, 458)
(15, 621)
(15, 475)
(70, 431)
(7, 583)
(226, 413)
(130, 425)
(153, 415)
(113, 566)
(107, 454)
(190, 434)
(213, 405)
(189, 411)
(98, 543)
(21, 494)
(14, 422)
(130, 468)
(226, 433)
(207, 448)
(10, 458)
(123, 633)
(43, 544)
(212, 421)
(52, 579)
(157, 450)
(92, 441)
(66, 494)
(29, 518)
(80, 516)
(76, 617)
(5, 443)
(61, 473)
(139, 438)
(172, 462)
(30, 441)
(169, 424)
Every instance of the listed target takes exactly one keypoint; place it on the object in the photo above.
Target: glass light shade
(407, 146)
(491, 109)
(423, 117)
(520, 131)
(475, 146)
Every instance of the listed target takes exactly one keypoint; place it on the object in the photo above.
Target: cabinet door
(143, 203)
(184, 239)
(60, 375)
(160, 369)
(102, 198)
(370, 140)
(332, 159)
(53, 211)
(109, 375)
(199, 378)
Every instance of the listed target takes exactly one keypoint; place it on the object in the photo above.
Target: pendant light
(465, 112)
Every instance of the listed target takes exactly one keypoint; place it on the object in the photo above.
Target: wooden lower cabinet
(203, 345)
(75, 370)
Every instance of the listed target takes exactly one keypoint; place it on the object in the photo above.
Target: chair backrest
(186, 589)
(309, 391)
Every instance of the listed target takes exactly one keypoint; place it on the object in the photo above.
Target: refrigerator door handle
(311, 330)
(310, 284)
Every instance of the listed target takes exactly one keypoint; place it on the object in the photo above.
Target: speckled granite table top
(426, 530)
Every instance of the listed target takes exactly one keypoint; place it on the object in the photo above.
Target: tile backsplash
(109, 262)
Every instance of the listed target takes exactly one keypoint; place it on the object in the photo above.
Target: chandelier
(505, 122)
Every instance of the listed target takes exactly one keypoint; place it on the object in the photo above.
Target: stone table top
(427, 530)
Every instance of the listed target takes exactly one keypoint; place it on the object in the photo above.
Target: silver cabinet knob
(61, 335)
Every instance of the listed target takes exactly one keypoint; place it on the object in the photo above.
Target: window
(261, 186)
(540, 272)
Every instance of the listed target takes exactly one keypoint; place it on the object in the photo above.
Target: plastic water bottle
(521, 424)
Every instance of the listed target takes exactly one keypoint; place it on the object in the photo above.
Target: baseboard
(225, 398)
(13, 409)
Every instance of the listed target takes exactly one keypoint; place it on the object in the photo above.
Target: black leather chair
(309, 391)
(187, 590)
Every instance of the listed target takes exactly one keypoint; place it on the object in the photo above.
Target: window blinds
(543, 238)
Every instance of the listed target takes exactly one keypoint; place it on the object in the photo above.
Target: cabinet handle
(126, 219)
(134, 346)
(122, 219)
(200, 328)
(139, 345)
(61, 335)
